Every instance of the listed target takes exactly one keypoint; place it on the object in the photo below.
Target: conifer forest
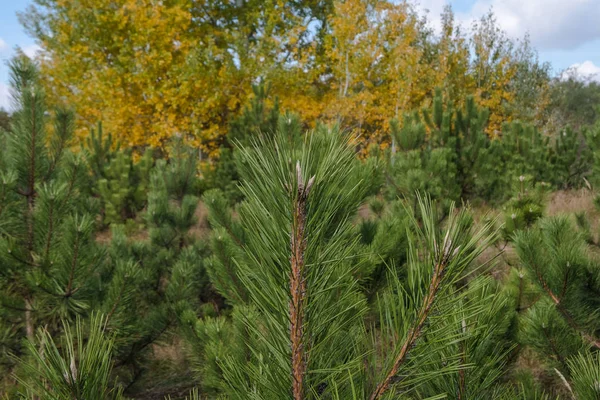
(270, 200)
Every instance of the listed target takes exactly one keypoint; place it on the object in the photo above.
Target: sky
(566, 33)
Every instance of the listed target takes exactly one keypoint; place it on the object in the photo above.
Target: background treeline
(152, 69)
(373, 220)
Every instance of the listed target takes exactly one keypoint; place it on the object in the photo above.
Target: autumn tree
(451, 62)
(257, 118)
(150, 69)
(531, 85)
(492, 69)
(374, 65)
(122, 64)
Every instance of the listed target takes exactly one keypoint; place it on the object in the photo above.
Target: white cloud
(586, 71)
(552, 24)
(32, 50)
(433, 9)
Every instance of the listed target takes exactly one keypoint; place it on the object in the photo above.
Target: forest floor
(573, 201)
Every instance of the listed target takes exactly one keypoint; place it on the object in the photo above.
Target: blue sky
(565, 32)
(11, 36)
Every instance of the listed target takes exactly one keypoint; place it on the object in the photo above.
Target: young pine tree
(166, 268)
(572, 159)
(78, 367)
(417, 166)
(525, 207)
(123, 186)
(442, 153)
(101, 151)
(562, 326)
(48, 257)
(462, 132)
(522, 150)
(301, 327)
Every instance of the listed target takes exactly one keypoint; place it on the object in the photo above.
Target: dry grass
(562, 202)
(571, 201)
(201, 230)
(575, 201)
(170, 373)
(364, 211)
(104, 237)
(529, 361)
(172, 351)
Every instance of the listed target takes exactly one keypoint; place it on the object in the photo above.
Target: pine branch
(63, 126)
(416, 331)
(77, 367)
(564, 312)
(72, 182)
(565, 383)
(552, 344)
(461, 372)
(584, 370)
(298, 285)
(22, 261)
(416, 304)
(11, 307)
(550, 253)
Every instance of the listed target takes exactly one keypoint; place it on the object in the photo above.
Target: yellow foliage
(151, 69)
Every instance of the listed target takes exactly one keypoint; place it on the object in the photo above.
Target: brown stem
(416, 331)
(298, 286)
(30, 225)
(461, 383)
